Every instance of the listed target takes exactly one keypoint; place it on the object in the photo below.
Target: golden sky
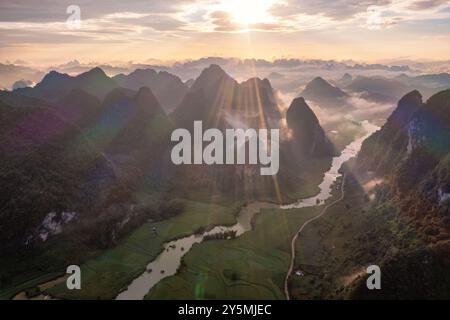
(137, 30)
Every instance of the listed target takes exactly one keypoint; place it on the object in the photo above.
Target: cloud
(10, 73)
(222, 21)
(55, 10)
(192, 28)
(427, 4)
(336, 9)
(364, 109)
(372, 14)
(186, 16)
(377, 20)
(158, 22)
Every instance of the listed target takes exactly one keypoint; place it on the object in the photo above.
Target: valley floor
(111, 271)
(252, 266)
(334, 252)
(105, 276)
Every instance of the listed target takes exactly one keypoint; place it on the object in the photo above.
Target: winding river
(168, 262)
(331, 175)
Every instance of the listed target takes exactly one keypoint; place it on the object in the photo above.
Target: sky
(48, 31)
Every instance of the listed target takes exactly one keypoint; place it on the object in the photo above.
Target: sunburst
(249, 12)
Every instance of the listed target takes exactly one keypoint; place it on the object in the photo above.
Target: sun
(248, 12)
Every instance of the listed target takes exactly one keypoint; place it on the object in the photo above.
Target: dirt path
(294, 239)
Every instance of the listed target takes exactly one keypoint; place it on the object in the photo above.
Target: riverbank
(250, 267)
(168, 262)
(272, 230)
(110, 273)
(269, 248)
(303, 226)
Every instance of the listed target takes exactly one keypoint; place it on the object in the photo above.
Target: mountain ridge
(322, 92)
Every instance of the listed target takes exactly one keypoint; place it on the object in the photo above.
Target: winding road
(303, 226)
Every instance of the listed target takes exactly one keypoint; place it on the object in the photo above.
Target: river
(168, 261)
(331, 175)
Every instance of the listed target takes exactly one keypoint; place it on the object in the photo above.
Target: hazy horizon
(400, 61)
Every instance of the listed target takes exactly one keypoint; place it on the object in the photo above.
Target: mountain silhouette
(210, 78)
(309, 139)
(323, 93)
(411, 151)
(167, 88)
(217, 99)
(383, 88)
(80, 154)
(78, 107)
(56, 85)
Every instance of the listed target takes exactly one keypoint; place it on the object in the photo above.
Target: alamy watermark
(234, 144)
(374, 280)
(74, 19)
(73, 281)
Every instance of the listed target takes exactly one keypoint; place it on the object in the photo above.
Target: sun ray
(248, 12)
